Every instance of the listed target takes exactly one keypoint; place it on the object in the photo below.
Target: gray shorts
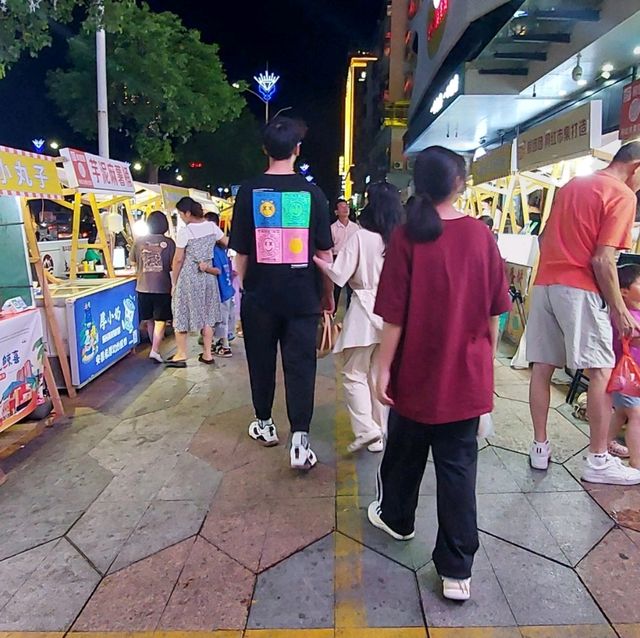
(569, 326)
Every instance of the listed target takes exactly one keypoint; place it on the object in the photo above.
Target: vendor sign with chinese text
(28, 174)
(21, 366)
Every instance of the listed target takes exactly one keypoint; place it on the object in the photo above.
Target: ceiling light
(607, 68)
(562, 93)
(605, 75)
(582, 82)
(636, 51)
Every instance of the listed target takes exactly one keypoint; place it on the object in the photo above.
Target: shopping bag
(486, 427)
(328, 333)
(626, 375)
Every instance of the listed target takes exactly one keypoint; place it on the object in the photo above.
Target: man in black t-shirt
(280, 222)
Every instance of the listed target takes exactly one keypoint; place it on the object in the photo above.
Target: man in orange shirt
(576, 297)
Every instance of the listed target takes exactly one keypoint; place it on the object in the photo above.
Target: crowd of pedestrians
(426, 286)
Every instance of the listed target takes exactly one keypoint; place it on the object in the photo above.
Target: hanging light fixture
(577, 72)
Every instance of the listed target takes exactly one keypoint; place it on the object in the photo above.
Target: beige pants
(359, 369)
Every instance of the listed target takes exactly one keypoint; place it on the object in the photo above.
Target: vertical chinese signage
(28, 174)
(630, 114)
(566, 137)
(22, 355)
(94, 173)
(105, 324)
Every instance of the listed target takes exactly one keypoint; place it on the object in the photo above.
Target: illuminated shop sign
(452, 89)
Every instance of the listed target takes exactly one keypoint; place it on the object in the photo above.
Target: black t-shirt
(280, 221)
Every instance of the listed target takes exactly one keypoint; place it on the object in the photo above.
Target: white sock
(597, 459)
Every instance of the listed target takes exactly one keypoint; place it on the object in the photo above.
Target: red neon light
(438, 18)
(196, 164)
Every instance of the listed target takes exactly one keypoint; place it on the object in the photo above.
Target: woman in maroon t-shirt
(441, 291)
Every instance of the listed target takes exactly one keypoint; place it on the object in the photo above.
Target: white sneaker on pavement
(455, 589)
(376, 447)
(361, 442)
(539, 455)
(374, 514)
(609, 471)
(264, 432)
(156, 356)
(302, 456)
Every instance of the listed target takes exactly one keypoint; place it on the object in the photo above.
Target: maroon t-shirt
(443, 293)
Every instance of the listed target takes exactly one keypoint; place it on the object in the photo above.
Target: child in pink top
(627, 408)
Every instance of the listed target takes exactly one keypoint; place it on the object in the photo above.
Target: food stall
(23, 364)
(98, 318)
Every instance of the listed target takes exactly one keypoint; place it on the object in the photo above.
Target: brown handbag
(328, 333)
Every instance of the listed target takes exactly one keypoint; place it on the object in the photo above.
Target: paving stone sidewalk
(152, 511)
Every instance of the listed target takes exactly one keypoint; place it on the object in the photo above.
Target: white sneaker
(156, 356)
(539, 455)
(612, 472)
(454, 589)
(361, 442)
(374, 514)
(302, 456)
(264, 432)
(376, 447)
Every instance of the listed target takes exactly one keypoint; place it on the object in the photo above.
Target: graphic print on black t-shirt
(282, 223)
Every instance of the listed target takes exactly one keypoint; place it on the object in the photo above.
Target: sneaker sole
(459, 596)
(600, 481)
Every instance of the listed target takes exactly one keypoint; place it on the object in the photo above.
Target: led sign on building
(452, 89)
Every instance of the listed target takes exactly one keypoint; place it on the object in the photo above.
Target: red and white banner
(94, 173)
(630, 114)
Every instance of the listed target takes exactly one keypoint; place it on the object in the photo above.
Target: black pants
(455, 454)
(263, 331)
(336, 295)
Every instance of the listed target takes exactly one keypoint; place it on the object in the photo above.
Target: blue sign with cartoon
(106, 325)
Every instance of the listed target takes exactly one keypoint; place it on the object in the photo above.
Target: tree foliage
(25, 24)
(229, 156)
(164, 83)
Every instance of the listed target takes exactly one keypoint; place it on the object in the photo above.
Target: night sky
(306, 42)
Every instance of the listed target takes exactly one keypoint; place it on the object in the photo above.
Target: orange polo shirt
(598, 210)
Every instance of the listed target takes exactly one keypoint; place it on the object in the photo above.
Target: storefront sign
(21, 366)
(94, 173)
(105, 325)
(498, 163)
(630, 114)
(442, 99)
(28, 174)
(171, 195)
(566, 137)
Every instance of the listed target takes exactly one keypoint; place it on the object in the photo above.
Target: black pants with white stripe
(263, 331)
(455, 455)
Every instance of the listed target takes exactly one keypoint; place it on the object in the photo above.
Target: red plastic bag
(626, 375)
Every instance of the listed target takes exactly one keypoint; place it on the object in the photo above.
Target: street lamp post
(267, 85)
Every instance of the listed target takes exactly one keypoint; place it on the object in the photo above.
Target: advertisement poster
(22, 355)
(106, 329)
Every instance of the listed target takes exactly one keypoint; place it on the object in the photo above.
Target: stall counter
(99, 324)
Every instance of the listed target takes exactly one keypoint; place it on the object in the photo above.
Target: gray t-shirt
(153, 256)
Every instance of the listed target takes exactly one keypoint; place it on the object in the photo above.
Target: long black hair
(437, 174)
(383, 211)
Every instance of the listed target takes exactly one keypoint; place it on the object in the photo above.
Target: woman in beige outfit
(359, 264)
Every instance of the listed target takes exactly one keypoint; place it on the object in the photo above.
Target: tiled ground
(153, 513)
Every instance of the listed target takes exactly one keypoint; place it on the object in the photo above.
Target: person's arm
(176, 266)
(345, 264)
(494, 328)
(328, 301)
(603, 263)
(391, 335)
(205, 266)
(240, 263)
